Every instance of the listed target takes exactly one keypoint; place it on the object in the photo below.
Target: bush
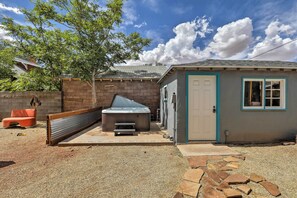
(35, 80)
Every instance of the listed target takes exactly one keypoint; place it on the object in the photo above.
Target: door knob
(214, 109)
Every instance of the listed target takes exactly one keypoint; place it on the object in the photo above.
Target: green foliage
(86, 45)
(5, 84)
(80, 37)
(7, 55)
(35, 80)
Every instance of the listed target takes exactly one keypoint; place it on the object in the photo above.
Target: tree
(81, 37)
(7, 55)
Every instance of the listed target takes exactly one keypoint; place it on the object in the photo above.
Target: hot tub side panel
(142, 120)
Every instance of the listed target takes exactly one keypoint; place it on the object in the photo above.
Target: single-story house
(225, 101)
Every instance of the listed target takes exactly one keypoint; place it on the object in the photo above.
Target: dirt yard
(29, 168)
(277, 163)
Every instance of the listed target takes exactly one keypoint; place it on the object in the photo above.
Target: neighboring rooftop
(131, 72)
(134, 72)
(23, 61)
(22, 66)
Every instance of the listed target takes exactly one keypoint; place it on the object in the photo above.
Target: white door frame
(217, 85)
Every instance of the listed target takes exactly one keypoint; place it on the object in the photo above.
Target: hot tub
(124, 110)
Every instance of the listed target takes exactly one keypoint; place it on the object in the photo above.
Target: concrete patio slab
(94, 136)
(205, 150)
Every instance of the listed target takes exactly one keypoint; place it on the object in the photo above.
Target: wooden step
(124, 123)
(124, 130)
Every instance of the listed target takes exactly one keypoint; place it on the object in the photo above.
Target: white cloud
(276, 35)
(232, 38)
(232, 41)
(140, 25)
(275, 27)
(129, 12)
(180, 48)
(3, 34)
(10, 9)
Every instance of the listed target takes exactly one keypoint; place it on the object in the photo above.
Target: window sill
(258, 109)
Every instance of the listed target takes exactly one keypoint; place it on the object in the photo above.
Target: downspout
(173, 101)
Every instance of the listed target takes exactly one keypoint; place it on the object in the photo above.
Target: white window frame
(283, 92)
(243, 92)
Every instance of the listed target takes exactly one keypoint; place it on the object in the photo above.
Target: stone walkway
(213, 177)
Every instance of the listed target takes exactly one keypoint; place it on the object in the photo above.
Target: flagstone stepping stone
(232, 193)
(178, 195)
(223, 175)
(210, 192)
(234, 165)
(245, 189)
(226, 168)
(209, 181)
(189, 188)
(237, 179)
(217, 165)
(212, 166)
(221, 164)
(214, 157)
(271, 188)
(196, 162)
(239, 157)
(231, 159)
(193, 175)
(256, 178)
(213, 175)
(223, 186)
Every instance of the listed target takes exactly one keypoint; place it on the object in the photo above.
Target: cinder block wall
(77, 94)
(51, 102)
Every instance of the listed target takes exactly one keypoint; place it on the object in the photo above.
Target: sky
(184, 31)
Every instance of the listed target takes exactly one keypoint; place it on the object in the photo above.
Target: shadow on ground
(6, 163)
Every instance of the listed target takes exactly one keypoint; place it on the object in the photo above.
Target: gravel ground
(278, 164)
(38, 170)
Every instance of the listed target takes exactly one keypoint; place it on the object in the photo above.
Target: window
(264, 93)
(253, 94)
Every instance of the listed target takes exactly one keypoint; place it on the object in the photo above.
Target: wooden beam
(70, 113)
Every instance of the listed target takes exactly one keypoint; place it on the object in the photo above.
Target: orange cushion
(23, 113)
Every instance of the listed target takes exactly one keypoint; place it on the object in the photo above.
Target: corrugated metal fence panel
(65, 127)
